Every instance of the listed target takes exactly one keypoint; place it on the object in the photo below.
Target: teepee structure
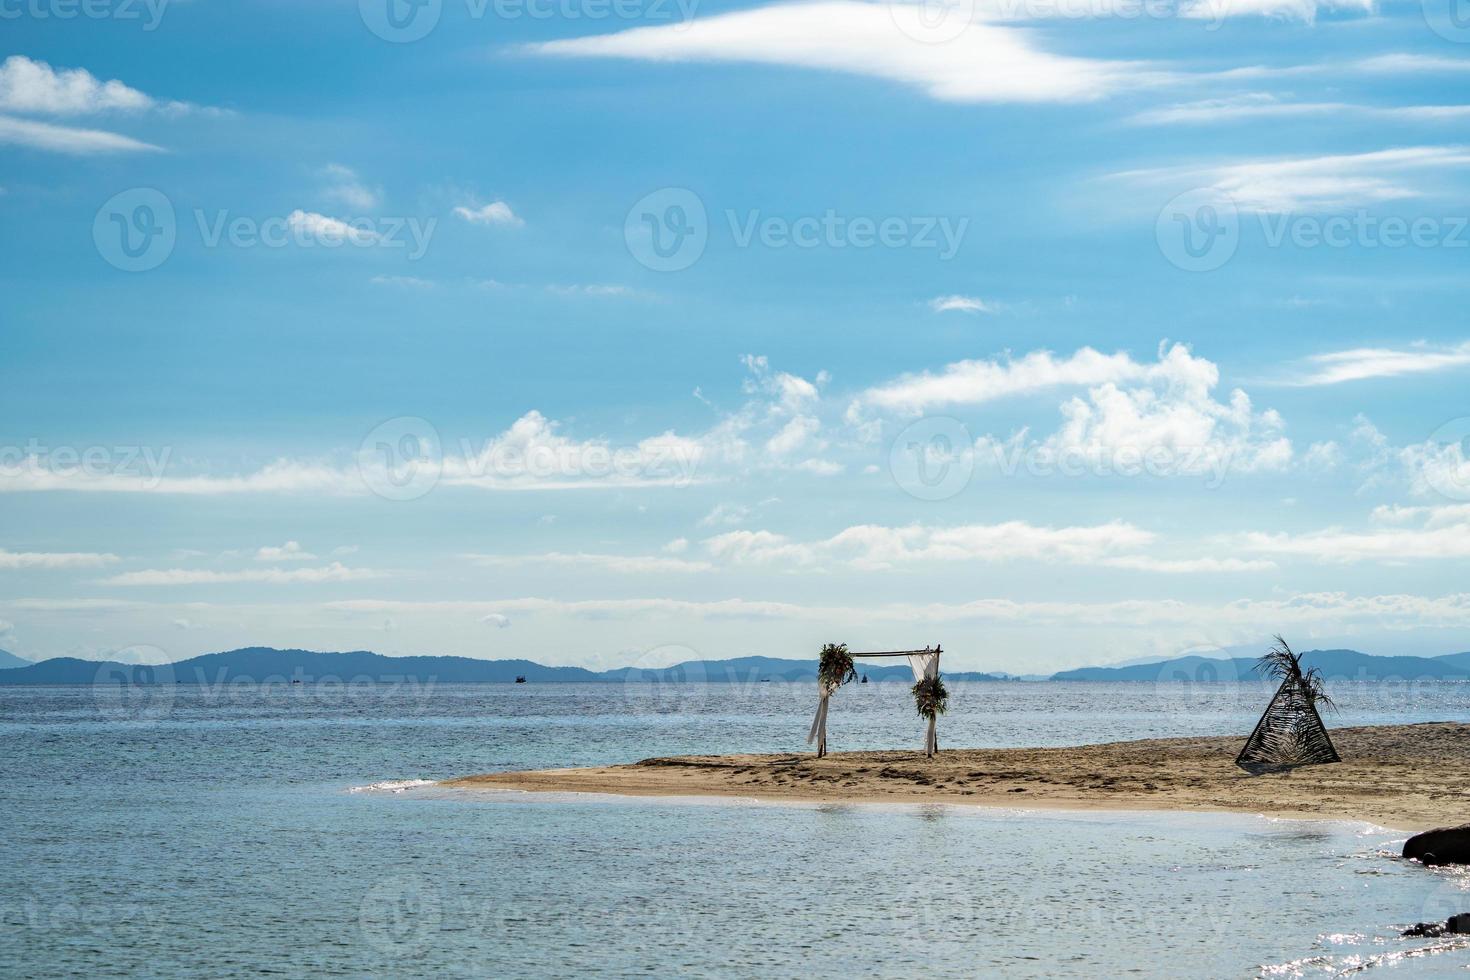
(1291, 732)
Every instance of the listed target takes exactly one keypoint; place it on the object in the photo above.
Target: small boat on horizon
(520, 678)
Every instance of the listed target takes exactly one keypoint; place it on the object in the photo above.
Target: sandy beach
(1409, 777)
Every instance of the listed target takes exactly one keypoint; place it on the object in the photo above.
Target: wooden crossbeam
(901, 653)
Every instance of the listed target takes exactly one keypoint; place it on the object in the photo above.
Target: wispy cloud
(335, 572)
(1361, 363)
(960, 304)
(1265, 106)
(1316, 183)
(621, 564)
(345, 187)
(42, 559)
(981, 62)
(71, 140)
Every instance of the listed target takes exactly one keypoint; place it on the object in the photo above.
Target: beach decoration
(1290, 732)
(931, 698)
(836, 668)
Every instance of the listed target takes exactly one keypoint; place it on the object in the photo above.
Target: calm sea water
(205, 831)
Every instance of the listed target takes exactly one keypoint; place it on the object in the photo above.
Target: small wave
(392, 786)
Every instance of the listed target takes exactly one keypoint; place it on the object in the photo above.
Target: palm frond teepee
(1290, 732)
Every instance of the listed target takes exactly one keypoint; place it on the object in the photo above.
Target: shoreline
(1400, 777)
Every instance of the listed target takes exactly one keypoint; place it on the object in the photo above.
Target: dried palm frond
(931, 697)
(1284, 665)
(835, 668)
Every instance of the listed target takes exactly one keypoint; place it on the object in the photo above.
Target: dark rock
(1458, 925)
(1447, 845)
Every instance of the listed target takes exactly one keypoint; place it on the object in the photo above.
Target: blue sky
(1056, 331)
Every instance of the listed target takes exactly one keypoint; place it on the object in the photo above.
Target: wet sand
(1410, 777)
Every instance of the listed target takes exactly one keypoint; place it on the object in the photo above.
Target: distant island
(1335, 665)
(269, 665)
(265, 664)
(8, 659)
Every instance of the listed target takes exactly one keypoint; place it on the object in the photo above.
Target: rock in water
(1458, 925)
(1447, 845)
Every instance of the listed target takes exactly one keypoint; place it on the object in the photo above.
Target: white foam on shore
(392, 786)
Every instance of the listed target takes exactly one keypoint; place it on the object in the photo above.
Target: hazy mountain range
(1334, 664)
(262, 664)
(268, 665)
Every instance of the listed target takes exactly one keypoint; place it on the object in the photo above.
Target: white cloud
(34, 86)
(347, 188)
(498, 620)
(977, 382)
(727, 514)
(621, 564)
(1334, 610)
(494, 213)
(1316, 183)
(290, 551)
(328, 231)
(595, 290)
(960, 304)
(981, 63)
(1264, 106)
(677, 546)
(41, 559)
(411, 282)
(872, 547)
(1339, 546)
(335, 572)
(1299, 10)
(68, 139)
(1380, 362)
(6, 627)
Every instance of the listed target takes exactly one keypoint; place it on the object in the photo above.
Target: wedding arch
(836, 669)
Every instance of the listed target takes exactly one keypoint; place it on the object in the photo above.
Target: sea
(296, 830)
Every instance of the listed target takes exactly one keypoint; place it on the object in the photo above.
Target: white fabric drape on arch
(926, 665)
(818, 733)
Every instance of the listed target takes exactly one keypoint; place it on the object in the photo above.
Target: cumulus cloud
(497, 620)
(36, 87)
(328, 231)
(494, 213)
(978, 62)
(290, 551)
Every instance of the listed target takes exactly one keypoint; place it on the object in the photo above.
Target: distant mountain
(1335, 664)
(264, 664)
(8, 660)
